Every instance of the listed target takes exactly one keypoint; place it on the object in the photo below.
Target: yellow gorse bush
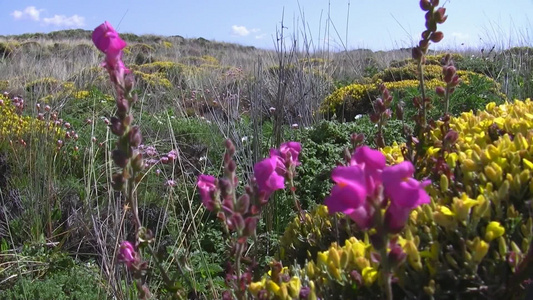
(15, 127)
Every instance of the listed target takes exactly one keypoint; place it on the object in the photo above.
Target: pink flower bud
(437, 36)
(425, 5)
(451, 137)
(439, 15)
(119, 157)
(440, 91)
(417, 53)
(135, 137)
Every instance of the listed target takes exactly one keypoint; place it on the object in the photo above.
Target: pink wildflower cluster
(367, 185)
(270, 173)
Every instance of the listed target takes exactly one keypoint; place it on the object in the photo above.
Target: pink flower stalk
(126, 253)
(206, 185)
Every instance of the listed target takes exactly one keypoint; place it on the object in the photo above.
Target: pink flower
(126, 253)
(402, 188)
(286, 156)
(363, 215)
(107, 40)
(291, 150)
(266, 176)
(405, 194)
(206, 185)
(372, 162)
(349, 193)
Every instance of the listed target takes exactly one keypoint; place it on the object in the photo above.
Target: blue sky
(377, 25)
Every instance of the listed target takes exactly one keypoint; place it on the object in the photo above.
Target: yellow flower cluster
(309, 233)
(14, 127)
(153, 80)
(333, 265)
(358, 92)
(277, 288)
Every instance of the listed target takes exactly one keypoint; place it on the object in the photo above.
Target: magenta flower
(405, 194)
(349, 193)
(107, 40)
(266, 176)
(402, 188)
(126, 253)
(286, 156)
(372, 162)
(206, 185)
(363, 215)
(290, 151)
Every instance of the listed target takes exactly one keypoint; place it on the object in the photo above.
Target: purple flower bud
(451, 137)
(117, 181)
(250, 226)
(122, 106)
(135, 136)
(396, 255)
(137, 162)
(425, 5)
(129, 82)
(116, 126)
(417, 53)
(119, 157)
(439, 15)
(436, 36)
(440, 91)
(374, 118)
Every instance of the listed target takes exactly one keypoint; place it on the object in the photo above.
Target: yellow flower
(255, 287)
(369, 275)
(494, 230)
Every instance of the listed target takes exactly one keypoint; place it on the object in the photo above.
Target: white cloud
(34, 14)
(30, 12)
(260, 36)
(64, 21)
(461, 35)
(242, 30)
